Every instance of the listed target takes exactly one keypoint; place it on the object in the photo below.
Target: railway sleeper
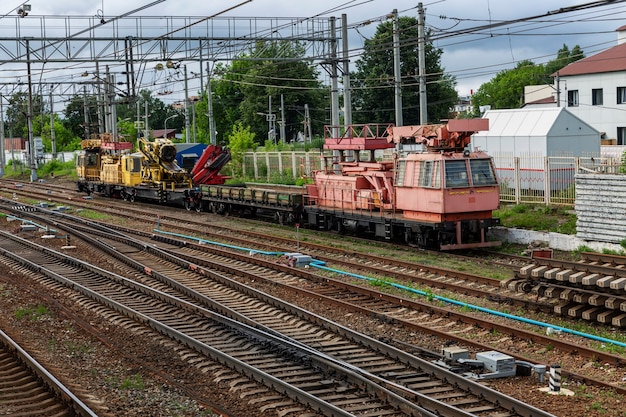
(607, 317)
(597, 300)
(568, 294)
(605, 282)
(612, 303)
(577, 277)
(563, 308)
(552, 292)
(618, 284)
(591, 314)
(619, 321)
(591, 279)
(551, 273)
(576, 311)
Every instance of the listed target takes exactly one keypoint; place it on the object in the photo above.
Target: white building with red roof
(594, 89)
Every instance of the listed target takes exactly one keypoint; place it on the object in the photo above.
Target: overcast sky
(472, 59)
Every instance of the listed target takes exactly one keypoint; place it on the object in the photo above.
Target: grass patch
(51, 169)
(135, 382)
(94, 215)
(539, 218)
(32, 313)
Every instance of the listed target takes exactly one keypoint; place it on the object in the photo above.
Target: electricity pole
(31, 140)
(396, 69)
(421, 56)
(2, 158)
(52, 132)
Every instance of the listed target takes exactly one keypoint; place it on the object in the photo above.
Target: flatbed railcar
(286, 205)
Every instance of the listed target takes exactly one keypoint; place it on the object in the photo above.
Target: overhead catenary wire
(463, 72)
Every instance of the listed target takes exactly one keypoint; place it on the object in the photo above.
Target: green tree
(240, 141)
(74, 120)
(64, 138)
(373, 81)
(226, 97)
(127, 130)
(17, 114)
(242, 90)
(506, 89)
(563, 58)
(157, 111)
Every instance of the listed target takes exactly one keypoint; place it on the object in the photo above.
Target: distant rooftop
(610, 60)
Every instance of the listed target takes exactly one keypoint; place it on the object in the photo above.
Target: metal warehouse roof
(528, 122)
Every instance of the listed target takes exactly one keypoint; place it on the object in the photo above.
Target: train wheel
(131, 198)
(187, 205)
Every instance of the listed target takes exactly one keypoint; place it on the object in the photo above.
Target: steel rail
(64, 394)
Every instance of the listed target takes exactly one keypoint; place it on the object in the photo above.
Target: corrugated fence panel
(601, 207)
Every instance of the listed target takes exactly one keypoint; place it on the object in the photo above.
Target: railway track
(171, 217)
(375, 363)
(509, 292)
(174, 222)
(28, 388)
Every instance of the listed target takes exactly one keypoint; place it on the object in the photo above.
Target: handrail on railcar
(367, 131)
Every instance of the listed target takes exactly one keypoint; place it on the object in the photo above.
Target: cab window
(482, 172)
(429, 174)
(456, 174)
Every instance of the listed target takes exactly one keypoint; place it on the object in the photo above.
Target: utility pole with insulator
(31, 139)
(421, 56)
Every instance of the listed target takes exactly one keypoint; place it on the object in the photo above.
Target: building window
(621, 135)
(621, 95)
(596, 97)
(572, 98)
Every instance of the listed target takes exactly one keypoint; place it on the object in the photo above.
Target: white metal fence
(272, 166)
(531, 178)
